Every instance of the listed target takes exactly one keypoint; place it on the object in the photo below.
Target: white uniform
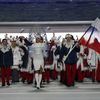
(16, 57)
(81, 58)
(98, 56)
(38, 55)
(92, 59)
(16, 63)
(55, 58)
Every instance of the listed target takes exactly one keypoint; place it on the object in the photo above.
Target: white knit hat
(37, 36)
(68, 35)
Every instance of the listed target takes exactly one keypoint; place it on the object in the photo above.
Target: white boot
(37, 80)
(40, 78)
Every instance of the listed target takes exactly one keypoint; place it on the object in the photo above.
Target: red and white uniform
(93, 63)
(80, 65)
(69, 53)
(98, 69)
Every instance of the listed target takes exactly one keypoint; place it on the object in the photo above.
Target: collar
(5, 49)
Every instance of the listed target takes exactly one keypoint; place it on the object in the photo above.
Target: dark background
(41, 0)
(49, 10)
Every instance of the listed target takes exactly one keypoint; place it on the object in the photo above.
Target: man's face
(4, 42)
(13, 43)
(68, 39)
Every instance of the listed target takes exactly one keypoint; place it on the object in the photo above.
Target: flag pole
(90, 36)
(85, 33)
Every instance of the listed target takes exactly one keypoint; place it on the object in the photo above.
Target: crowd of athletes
(39, 61)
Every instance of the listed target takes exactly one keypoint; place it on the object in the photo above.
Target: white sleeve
(18, 54)
(81, 49)
(90, 54)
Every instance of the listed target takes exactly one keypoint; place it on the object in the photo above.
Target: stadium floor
(52, 91)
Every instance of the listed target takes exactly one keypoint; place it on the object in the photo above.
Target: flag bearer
(69, 56)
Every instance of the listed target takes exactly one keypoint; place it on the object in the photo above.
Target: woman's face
(38, 40)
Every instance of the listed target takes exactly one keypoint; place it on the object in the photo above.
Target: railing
(47, 23)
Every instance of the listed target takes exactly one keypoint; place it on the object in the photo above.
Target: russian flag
(91, 37)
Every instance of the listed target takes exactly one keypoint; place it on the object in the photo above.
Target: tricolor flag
(91, 37)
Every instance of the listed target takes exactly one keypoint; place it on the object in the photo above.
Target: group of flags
(91, 38)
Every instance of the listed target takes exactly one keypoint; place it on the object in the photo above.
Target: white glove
(57, 57)
(20, 62)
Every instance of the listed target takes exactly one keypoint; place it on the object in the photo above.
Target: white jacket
(16, 57)
(92, 58)
(81, 58)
